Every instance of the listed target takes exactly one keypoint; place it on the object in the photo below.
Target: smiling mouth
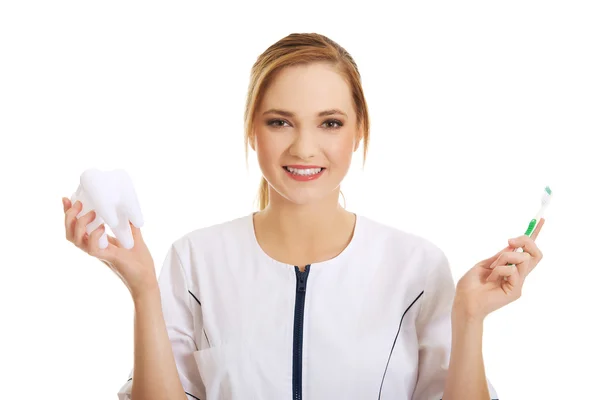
(304, 171)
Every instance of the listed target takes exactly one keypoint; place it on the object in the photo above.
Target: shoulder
(379, 233)
(216, 236)
(415, 258)
(222, 244)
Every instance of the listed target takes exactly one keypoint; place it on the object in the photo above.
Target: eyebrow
(290, 114)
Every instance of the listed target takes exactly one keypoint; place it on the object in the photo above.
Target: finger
(136, 232)
(510, 257)
(528, 245)
(537, 229)
(70, 220)
(488, 261)
(94, 240)
(112, 240)
(107, 255)
(80, 228)
(66, 204)
(92, 226)
(506, 272)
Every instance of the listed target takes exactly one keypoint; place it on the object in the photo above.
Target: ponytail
(263, 194)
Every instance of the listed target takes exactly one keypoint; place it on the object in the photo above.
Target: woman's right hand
(134, 266)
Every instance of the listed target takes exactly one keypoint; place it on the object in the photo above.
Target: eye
(334, 121)
(275, 123)
(278, 123)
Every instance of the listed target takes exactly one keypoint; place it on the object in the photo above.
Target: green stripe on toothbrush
(529, 231)
(531, 227)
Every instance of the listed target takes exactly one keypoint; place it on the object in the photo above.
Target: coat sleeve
(434, 331)
(182, 316)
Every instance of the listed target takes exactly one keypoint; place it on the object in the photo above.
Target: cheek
(340, 151)
(268, 149)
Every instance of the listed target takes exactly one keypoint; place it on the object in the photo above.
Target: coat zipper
(301, 278)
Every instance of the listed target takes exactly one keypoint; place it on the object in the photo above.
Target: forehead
(308, 89)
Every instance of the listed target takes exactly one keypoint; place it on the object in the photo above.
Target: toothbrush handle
(532, 224)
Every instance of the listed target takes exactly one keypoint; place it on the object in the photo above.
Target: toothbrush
(535, 221)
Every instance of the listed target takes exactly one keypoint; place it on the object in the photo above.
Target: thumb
(136, 232)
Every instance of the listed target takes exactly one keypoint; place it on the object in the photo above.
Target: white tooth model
(112, 196)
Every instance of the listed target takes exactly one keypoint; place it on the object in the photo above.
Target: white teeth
(304, 171)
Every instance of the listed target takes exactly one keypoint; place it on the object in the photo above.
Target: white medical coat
(371, 323)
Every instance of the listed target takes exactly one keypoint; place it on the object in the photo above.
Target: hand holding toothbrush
(497, 281)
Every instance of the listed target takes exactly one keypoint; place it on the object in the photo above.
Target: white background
(475, 107)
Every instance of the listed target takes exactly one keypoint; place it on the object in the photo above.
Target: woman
(304, 298)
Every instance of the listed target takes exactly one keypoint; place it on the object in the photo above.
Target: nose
(305, 145)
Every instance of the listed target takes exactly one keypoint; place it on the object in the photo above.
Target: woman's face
(305, 132)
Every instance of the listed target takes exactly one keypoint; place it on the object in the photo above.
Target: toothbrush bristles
(547, 195)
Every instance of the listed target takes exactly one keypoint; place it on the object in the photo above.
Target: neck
(306, 221)
(290, 230)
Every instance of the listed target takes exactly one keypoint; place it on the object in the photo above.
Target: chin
(302, 192)
(305, 196)
(303, 200)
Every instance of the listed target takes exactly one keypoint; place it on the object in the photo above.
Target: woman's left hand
(483, 288)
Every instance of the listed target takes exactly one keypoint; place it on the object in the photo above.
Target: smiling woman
(309, 145)
(317, 77)
(303, 297)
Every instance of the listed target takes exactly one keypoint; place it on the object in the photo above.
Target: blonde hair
(298, 49)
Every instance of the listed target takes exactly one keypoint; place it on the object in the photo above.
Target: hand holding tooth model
(112, 196)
